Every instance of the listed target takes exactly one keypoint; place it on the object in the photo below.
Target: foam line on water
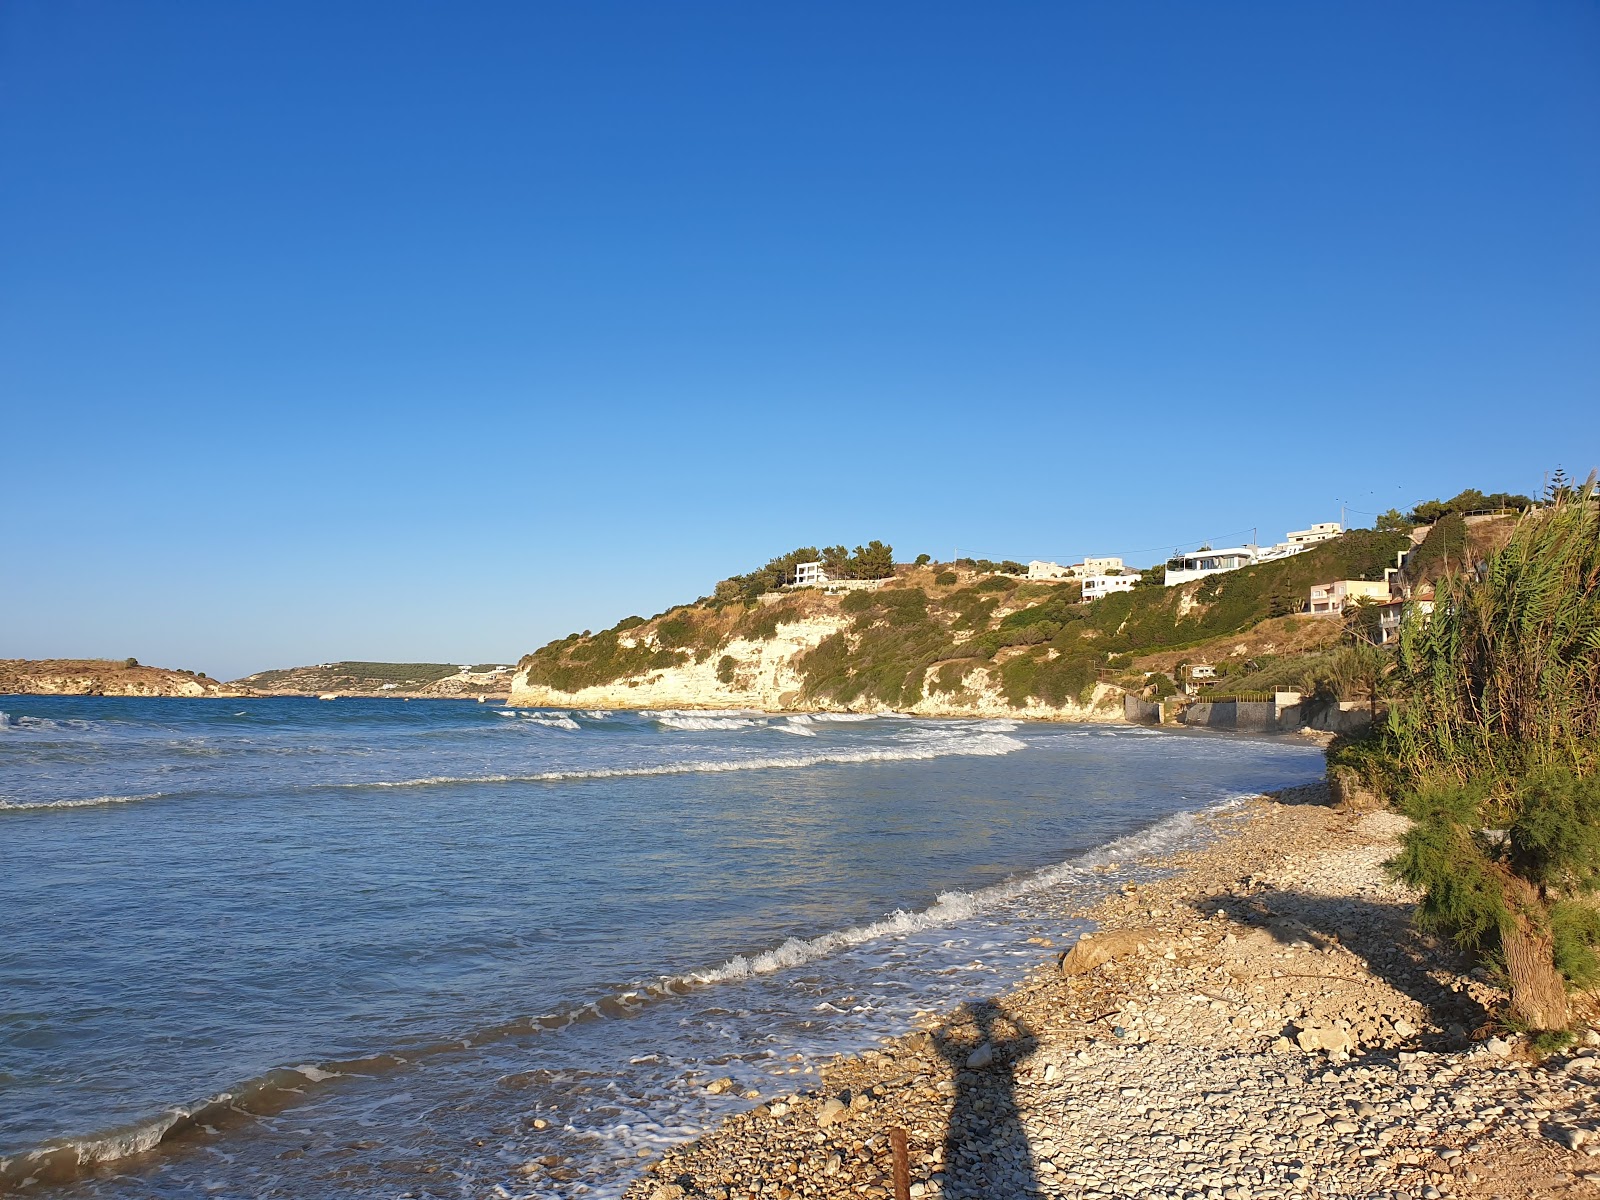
(980, 744)
(696, 724)
(86, 802)
(1164, 836)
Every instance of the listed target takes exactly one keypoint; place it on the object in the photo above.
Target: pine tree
(1558, 488)
(875, 560)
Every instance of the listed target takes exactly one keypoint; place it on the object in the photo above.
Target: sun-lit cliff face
(904, 644)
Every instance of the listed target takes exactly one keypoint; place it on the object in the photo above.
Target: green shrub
(725, 666)
(945, 578)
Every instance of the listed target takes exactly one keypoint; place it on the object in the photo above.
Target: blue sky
(432, 332)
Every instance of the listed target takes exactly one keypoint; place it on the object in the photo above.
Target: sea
(299, 948)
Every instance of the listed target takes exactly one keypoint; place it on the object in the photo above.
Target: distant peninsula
(102, 677)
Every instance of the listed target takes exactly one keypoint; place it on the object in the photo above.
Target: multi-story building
(809, 574)
(1331, 599)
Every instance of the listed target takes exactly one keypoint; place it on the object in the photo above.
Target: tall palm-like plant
(1498, 735)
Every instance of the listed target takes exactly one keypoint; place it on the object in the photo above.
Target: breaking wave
(9, 722)
(1163, 837)
(552, 721)
(700, 724)
(87, 802)
(981, 744)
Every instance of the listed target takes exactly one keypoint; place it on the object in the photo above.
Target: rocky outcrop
(98, 677)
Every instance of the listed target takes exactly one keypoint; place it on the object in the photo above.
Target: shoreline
(1269, 1024)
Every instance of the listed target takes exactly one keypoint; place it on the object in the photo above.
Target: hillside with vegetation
(928, 638)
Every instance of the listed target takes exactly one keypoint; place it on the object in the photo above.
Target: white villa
(1095, 586)
(1097, 566)
(1211, 562)
(1322, 531)
(809, 574)
(1039, 569)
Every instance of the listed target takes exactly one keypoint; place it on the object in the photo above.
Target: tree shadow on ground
(1382, 935)
(986, 1150)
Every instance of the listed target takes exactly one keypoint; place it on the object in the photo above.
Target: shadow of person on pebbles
(986, 1150)
(1308, 929)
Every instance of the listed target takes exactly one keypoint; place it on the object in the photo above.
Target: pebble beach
(1259, 1021)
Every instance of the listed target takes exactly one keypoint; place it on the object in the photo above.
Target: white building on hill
(1097, 566)
(1095, 586)
(1039, 569)
(1212, 562)
(1322, 531)
(809, 574)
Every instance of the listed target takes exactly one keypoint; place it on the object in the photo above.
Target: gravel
(1276, 1028)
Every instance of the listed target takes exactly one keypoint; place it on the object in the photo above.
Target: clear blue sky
(433, 331)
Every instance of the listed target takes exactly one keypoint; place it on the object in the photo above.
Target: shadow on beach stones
(986, 1150)
(1381, 935)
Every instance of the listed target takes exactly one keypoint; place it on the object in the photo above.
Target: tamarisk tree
(1496, 735)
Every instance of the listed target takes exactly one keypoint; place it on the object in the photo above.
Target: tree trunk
(1538, 994)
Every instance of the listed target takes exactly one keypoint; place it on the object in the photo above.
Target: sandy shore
(1271, 1026)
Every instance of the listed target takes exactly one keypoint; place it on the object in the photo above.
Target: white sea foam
(701, 724)
(981, 744)
(842, 718)
(796, 728)
(7, 721)
(552, 721)
(595, 714)
(87, 802)
(949, 908)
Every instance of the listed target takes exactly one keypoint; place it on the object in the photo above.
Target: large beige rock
(1101, 948)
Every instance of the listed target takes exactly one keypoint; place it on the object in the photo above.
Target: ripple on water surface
(417, 946)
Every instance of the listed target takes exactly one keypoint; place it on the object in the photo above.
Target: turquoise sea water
(301, 948)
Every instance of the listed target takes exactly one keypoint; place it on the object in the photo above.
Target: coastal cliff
(100, 677)
(770, 674)
(948, 640)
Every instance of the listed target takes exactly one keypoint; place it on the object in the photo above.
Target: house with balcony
(1206, 561)
(1393, 614)
(1331, 599)
(1211, 562)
